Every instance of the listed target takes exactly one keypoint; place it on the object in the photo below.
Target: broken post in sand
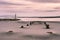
(27, 25)
(47, 26)
(22, 27)
(30, 23)
(45, 23)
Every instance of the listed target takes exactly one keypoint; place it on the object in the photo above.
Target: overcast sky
(30, 7)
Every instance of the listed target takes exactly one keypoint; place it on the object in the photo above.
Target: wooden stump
(47, 26)
(22, 27)
(27, 25)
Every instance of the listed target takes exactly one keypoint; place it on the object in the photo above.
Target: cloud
(9, 3)
(26, 10)
(51, 10)
(15, 10)
(57, 8)
(46, 1)
(29, 7)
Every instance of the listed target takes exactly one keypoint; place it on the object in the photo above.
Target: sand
(35, 31)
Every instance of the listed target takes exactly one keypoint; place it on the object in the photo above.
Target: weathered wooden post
(27, 25)
(22, 27)
(47, 26)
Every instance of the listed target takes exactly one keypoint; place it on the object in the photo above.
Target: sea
(12, 30)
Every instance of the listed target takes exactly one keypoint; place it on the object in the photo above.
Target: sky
(30, 7)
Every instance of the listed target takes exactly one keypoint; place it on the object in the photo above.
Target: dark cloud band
(8, 3)
(46, 1)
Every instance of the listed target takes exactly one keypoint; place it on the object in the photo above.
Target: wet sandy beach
(35, 31)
